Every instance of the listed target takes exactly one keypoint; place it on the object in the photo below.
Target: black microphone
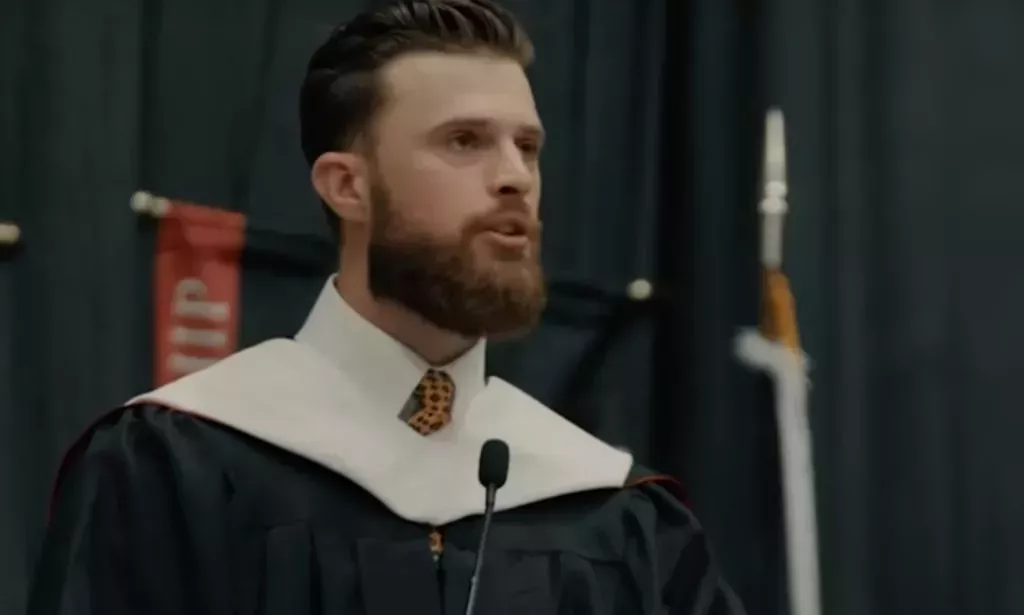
(492, 473)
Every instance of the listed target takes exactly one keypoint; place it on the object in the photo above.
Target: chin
(515, 278)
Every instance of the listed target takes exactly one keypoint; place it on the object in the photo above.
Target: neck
(435, 345)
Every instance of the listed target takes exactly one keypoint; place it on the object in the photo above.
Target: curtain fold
(905, 134)
(720, 433)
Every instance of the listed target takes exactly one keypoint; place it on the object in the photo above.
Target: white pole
(788, 368)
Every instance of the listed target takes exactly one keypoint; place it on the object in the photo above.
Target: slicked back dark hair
(342, 90)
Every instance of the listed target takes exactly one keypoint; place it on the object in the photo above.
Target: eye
(529, 148)
(464, 141)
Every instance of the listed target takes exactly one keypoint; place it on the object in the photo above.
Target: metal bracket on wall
(10, 234)
(144, 203)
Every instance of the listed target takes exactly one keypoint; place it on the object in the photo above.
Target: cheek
(441, 198)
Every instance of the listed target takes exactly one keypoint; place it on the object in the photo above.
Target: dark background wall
(905, 147)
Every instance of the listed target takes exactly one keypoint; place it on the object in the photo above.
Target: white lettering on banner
(190, 301)
(206, 338)
(182, 364)
(196, 288)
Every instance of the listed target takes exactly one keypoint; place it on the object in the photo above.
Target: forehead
(424, 90)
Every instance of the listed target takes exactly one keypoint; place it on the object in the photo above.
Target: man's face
(456, 189)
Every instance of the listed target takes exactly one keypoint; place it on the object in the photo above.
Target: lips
(510, 229)
(514, 244)
(511, 226)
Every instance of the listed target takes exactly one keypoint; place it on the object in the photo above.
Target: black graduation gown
(160, 512)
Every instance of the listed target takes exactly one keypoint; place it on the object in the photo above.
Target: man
(336, 473)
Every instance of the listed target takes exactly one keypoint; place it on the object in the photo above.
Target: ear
(340, 180)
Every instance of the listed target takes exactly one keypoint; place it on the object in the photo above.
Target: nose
(512, 175)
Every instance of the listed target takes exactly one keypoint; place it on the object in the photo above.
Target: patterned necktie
(434, 397)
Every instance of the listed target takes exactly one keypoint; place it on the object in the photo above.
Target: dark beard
(443, 283)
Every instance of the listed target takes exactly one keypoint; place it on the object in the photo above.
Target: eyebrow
(530, 129)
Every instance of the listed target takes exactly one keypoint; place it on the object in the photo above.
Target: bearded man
(335, 473)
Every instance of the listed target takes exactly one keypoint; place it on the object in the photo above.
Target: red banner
(196, 288)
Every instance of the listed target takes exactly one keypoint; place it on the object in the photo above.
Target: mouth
(510, 234)
(510, 228)
(517, 241)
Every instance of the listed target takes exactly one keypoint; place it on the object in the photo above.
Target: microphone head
(493, 463)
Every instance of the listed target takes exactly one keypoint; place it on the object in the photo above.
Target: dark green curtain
(720, 435)
(910, 138)
(905, 146)
(197, 100)
(10, 538)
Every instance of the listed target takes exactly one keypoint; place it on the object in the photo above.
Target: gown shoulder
(136, 519)
(158, 511)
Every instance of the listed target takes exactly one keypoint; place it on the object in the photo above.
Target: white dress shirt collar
(383, 367)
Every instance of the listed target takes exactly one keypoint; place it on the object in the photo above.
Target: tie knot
(438, 379)
(434, 395)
